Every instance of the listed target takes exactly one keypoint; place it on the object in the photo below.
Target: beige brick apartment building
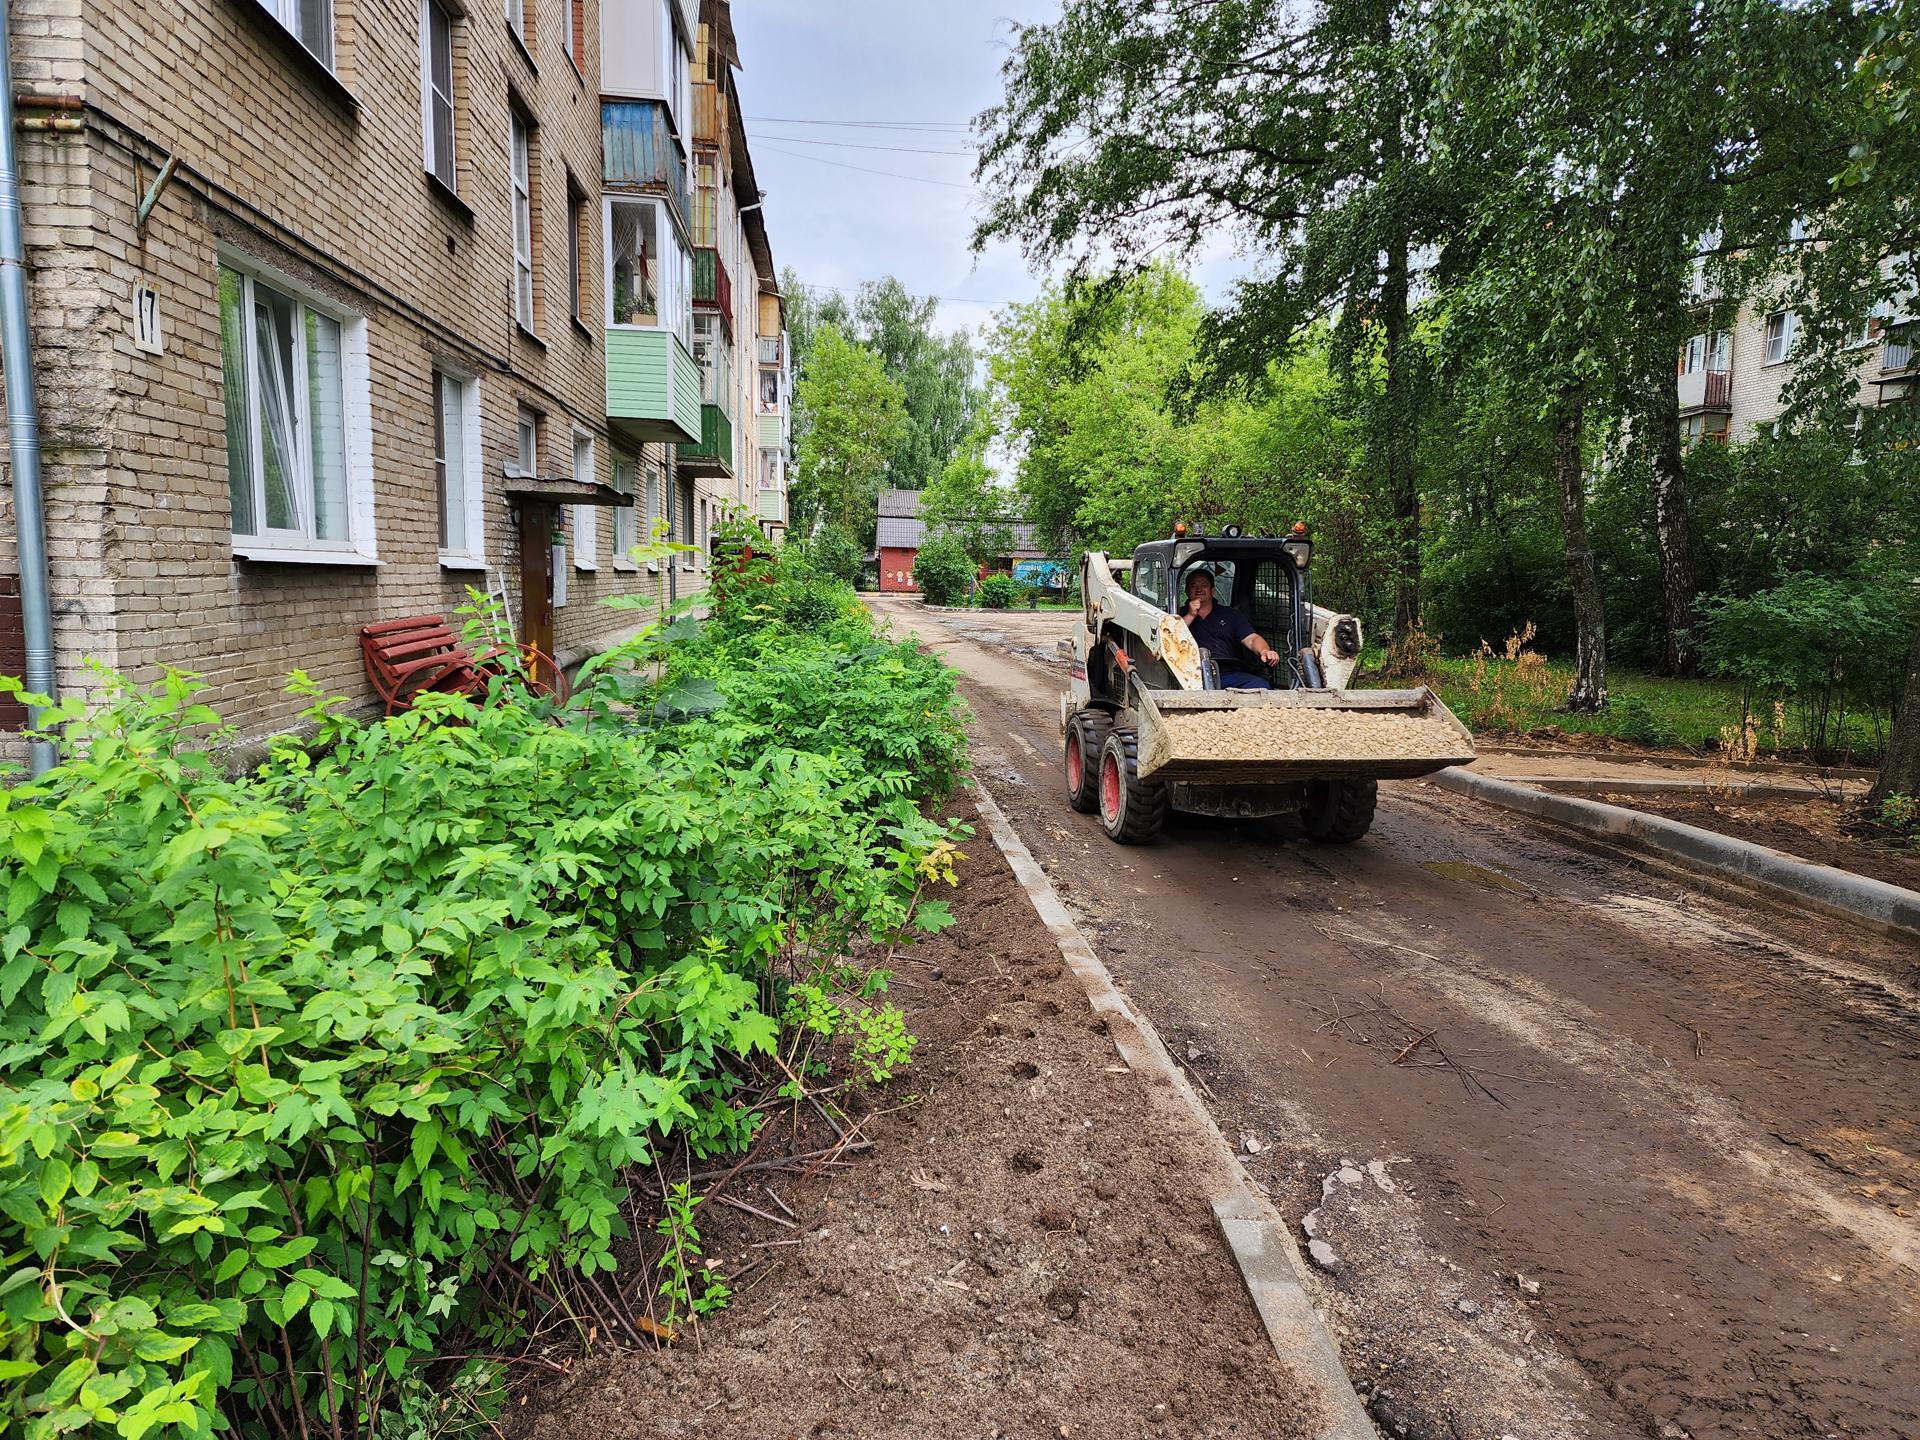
(336, 302)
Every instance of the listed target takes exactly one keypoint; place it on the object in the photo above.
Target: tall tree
(935, 370)
(1129, 126)
(857, 412)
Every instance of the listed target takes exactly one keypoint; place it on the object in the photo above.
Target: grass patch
(1498, 695)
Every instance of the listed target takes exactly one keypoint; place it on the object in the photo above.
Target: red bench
(406, 657)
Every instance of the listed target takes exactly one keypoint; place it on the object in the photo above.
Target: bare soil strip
(1022, 1253)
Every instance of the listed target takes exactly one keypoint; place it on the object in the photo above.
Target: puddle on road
(1472, 874)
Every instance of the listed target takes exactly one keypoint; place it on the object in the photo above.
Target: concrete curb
(1757, 867)
(1635, 785)
(1262, 1247)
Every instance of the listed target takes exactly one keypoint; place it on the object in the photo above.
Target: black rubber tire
(1338, 812)
(1141, 804)
(1087, 733)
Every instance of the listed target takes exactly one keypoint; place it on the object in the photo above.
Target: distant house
(902, 532)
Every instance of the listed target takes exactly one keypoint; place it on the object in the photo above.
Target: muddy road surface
(1579, 1150)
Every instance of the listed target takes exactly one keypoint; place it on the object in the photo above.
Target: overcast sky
(926, 66)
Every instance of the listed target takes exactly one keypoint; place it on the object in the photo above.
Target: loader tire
(1086, 735)
(1131, 809)
(1339, 812)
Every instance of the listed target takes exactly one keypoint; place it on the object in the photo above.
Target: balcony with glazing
(653, 384)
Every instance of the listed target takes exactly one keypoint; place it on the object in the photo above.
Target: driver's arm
(1259, 647)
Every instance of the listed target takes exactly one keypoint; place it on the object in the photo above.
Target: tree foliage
(856, 414)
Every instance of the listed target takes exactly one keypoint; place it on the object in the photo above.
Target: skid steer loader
(1148, 727)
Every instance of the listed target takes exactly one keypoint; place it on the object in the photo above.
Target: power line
(856, 145)
(943, 299)
(862, 124)
(867, 169)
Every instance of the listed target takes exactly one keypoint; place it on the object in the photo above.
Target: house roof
(901, 527)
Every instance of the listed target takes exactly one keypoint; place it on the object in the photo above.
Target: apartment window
(626, 522)
(528, 459)
(456, 466)
(522, 221)
(686, 523)
(1719, 351)
(715, 359)
(576, 247)
(769, 391)
(308, 21)
(649, 269)
(436, 91)
(1783, 327)
(1694, 356)
(296, 399)
(575, 34)
(519, 20)
(586, 518)
(676, 83)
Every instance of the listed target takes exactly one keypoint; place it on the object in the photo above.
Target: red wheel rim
(1076, 762)
(1109, 785)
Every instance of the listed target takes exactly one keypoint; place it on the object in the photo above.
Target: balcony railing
(1705, 390)
(769, 349)
(712, 286)
(713, 453)
(638, 151)
(708, 106)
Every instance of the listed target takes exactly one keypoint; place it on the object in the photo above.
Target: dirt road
(1654, 1168)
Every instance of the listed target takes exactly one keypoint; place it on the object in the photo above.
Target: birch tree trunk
(1673, 536)
(1403, 482)
(1589, 610)
(1900, 771)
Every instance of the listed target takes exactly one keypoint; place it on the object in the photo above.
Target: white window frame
(676, 71)
(520, 164)
(675, 311)
(472, 486)
(516, 13)
(569, 10)
(526, 456)
(625, 476)
(430, 92)
(1694, 357)
(301, 546)
(690, 559)
(1780, 344)
(1720, 351)
(586, 518)
(657, 481)
(287, 14)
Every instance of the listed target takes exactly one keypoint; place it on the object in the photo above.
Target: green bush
(943, 571)
(1820, 645)
(305, 1073)
(833, 552)
(998, 592)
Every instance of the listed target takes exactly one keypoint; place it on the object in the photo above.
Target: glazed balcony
(712, 286)
(638, 152)
(653, 386)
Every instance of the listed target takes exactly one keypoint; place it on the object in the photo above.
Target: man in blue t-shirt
(1223, 632)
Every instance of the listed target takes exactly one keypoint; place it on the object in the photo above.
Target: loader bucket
(1269, 737)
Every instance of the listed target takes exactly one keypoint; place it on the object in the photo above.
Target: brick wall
(896, 570)
(322, 179)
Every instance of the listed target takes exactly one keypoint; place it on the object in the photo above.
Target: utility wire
(862, 124)
(867, 169)
(856, 145)
(944, 299)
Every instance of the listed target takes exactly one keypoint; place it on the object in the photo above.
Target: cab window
(1149, 577)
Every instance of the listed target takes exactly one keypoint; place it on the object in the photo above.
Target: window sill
(526, 52)
(317, 69)
(449, 197)
(528, 335)
(586, 566)
(627, 567)
(462, 562)
(294, 555)
(586, 331)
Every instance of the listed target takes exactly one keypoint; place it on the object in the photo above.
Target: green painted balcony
(713, 455)
(653, 387)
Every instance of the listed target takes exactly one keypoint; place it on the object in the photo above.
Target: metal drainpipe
(23, 413)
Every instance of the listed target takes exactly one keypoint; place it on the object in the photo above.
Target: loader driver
(1223, 632)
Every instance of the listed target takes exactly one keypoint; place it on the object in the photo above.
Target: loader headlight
(1299, 548)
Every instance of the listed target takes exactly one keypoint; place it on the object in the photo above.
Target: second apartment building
(340, 309)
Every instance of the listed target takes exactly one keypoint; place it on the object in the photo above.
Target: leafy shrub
(1823, 645)
(998, 592)
(834, 552)
(304, 1074)
(943, 571)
